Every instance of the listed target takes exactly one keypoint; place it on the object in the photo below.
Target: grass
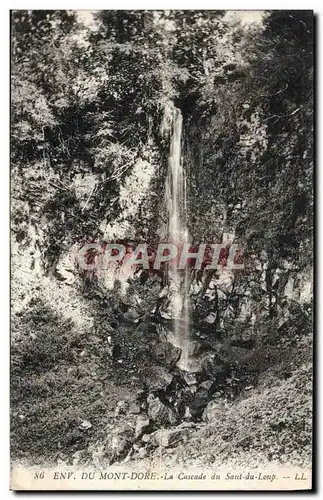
(57, 381)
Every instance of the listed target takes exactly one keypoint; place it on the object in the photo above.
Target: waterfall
(176, 206)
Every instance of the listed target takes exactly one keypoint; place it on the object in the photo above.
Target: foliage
(92, 101)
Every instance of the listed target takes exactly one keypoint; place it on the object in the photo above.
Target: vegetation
(91, 101)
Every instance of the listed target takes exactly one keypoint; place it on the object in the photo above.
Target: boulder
(199, 402)
(142, 424)
(132, 316)
(166, 354)
(139, 452)
(170, 437)
(118, 442)
(213, 366)
(206, 385)
(157, 377)
(189, 378)
(194, 348)
(214, 411)
(142, 453)
(166, 315)
(160, 413)
(206, 359)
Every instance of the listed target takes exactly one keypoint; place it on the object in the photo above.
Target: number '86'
(39, 475)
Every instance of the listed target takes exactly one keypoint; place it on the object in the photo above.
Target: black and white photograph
(162, 241)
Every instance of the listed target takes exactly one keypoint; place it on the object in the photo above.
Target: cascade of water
(176, 205)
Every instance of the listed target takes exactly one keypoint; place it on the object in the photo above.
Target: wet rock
(191, 365)
(213, 367)
(165, 353)
(162, 333)
(206, 359)
(160, 413)
(189, 378)
(157, 377)
(165, 315)
(206, 385)
(142, 424)
(194, 348)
